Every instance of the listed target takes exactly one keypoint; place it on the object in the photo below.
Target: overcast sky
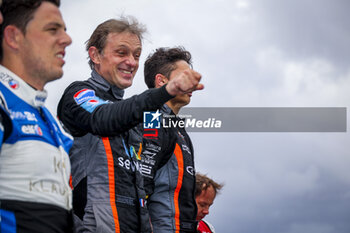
(270, 53)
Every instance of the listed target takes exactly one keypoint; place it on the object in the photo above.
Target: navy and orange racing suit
(108, 187)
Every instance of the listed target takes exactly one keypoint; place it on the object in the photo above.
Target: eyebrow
(124, 47)
(55, 24)
(127, 47)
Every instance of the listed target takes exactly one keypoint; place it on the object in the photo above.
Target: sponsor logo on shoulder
(11, 82)
(92, 103)
(84, 95)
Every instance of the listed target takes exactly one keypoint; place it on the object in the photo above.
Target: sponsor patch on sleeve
(87, 99)
(84, 95)
(93, 103)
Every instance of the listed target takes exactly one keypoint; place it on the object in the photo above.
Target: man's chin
(54, 75)
(125, 85)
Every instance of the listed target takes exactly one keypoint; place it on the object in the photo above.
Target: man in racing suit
(108, 187)
(34, 166)
(167, 151)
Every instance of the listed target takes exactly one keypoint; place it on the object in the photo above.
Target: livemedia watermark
(249, 119)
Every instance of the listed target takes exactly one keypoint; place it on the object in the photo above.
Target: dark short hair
(124, 24)
(19, 13)
(203, 183)
(162, 61)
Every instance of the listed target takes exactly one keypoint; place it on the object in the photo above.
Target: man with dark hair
(19, 13)
(206, 190)
(108, 186)
(167, 155)
(34, 166)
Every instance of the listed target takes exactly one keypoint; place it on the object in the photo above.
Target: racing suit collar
(166, 109)
(20, 88)
(105, 86)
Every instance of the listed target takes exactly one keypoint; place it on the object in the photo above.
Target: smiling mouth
(126, 72)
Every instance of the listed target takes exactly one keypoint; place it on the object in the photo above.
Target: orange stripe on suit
(180, 164)
(111, 181)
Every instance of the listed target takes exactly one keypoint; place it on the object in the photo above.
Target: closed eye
(53, 30)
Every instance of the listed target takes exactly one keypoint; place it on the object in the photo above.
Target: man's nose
(131, 61)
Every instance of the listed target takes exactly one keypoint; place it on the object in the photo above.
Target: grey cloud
(308, 28)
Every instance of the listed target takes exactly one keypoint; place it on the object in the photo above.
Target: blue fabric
(30, 123)
(1, 132)
(7, 222)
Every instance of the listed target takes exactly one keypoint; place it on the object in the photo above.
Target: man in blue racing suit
(34, 166)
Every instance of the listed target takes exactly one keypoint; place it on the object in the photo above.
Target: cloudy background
(251, 53)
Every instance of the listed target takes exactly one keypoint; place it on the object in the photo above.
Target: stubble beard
(39, 70)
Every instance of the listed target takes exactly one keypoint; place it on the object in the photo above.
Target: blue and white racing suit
(34, 163)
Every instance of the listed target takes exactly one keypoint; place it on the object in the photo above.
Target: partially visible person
(3, 114)
(1, 18)
(167, 153)
(108, 186)
(34, 166)
(206, 190)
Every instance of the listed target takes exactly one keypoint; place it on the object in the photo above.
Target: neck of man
(17, 68)
(175, 106)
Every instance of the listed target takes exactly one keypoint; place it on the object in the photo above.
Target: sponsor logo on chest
(25, 115)
(32, 130)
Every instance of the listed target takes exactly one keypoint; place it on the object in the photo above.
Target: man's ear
(12, 36)
(94, 55)
(160, 80)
